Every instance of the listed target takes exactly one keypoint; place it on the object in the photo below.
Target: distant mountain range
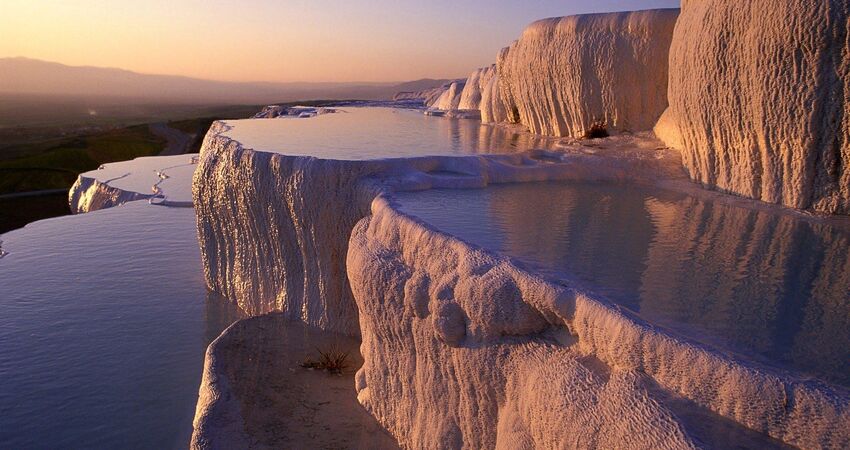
(30, 76)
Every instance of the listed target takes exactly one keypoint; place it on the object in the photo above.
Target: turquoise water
(373, 133)
(759, 284)
(104, 326)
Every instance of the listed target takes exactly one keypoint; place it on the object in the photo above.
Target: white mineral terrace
(165, 180)
(462, 347)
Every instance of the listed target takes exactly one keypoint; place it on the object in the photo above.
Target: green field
(57, 165)
(49, 158)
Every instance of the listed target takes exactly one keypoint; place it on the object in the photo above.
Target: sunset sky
(286, 40)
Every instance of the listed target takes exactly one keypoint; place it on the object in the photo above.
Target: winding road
(177, 141)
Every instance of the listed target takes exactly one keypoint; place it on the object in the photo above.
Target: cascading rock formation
(463, 348)
(759, 99)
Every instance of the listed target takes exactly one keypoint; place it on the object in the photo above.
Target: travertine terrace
(462, 347)
(759, 102)
(565, 74)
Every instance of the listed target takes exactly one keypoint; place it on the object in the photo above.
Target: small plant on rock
(333, 360)
(597, 130)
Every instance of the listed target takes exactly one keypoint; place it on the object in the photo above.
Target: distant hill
(420, 85)
(30, 76)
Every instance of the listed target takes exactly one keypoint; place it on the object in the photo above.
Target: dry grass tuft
(332, 360)
(598, 130)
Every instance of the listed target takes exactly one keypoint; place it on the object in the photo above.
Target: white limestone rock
(450, 99)
(491, 105)
(461, 347)
(428, 96)
(163, 180)
(476, 84)
(464, 349)
(566, 74)
(467, 373)
(274, 229)
(301, 112)
(759, 97)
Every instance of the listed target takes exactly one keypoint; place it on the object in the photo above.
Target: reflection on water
(104, 326)
(768, 285)
(370, 133)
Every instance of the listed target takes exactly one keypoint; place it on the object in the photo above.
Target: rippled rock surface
(759, 97)
(566, 74)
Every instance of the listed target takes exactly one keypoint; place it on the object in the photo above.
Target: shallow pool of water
(761, 284)
(377, 132)
(170, 176)
(105, 321)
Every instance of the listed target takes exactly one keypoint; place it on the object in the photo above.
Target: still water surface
(769, 286)
(375, 132)
(103, 331)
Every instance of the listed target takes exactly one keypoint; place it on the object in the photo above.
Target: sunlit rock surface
(492, 106)
(428, 96)
(274, 228)
(759, 95)
(165, 180)
(566, 74)
(301, 112)
(442, 366)
(505, 372)
(765, 283)
(449, 100)
(476, 84)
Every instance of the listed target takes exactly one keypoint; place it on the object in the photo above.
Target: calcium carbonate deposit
(164, 180)
(759, 97)
(465, 348)
(461, 346)
(449, 100)
(566, 74)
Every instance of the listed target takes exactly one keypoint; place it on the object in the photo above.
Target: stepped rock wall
(449, 100)
(428, 96)
(759, 96)
(565, 74)
(475, 86)
(90, 194)
(480, 374)
(274, 229)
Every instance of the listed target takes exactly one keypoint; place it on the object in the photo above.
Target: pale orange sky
(286, 40)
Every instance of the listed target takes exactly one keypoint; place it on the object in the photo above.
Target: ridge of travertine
(428, 96)
(163, 180)
(476, 84)
(274, 229)
(445, 368)
(565, 74)
(89, 194)
(452, 335)
(759, 96)
(462, 347)
(449, 100)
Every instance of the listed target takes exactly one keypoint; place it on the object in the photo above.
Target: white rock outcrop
(566, 74)
(492, 106)
(163, 180)
(449, 100)
(760, 99)
(301, 112)
(464, 349)
(274, 229)
(428, 96)
(475, 86)
(473, 98)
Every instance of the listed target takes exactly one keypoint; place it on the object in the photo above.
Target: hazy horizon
(379, 41)
(23, 78)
